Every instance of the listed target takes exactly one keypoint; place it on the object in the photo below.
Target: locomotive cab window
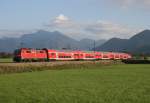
(17, 51)
(28, 51)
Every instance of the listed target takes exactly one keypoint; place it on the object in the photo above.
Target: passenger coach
(27, 54)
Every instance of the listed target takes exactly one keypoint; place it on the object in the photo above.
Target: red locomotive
(27, 54)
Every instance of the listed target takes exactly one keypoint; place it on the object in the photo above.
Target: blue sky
(96, 19)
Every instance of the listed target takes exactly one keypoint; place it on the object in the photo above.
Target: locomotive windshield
(17, 51)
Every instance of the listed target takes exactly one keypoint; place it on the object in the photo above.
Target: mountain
(45, 39)
(8, 44)
(139, 43)
(114, 44)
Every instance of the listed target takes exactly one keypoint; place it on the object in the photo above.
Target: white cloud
(61, 21)
(78, 30)
(61, 18)
(95, 30)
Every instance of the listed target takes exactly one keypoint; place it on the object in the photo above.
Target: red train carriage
(59, 55)
(40, 55)
(64, 55)
(116, 56)
(78, 55)
(105, 55)
(125, 56)
(88, 55)
(51, 54)
(111, 56)
(121, 55)
(129, 56)
(26, 54)
(98, 55)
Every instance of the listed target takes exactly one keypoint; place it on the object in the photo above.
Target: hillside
(139, 43)
(45, 39)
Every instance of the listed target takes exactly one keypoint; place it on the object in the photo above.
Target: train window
(105, 56)
(89, 57)
(61, 57)
(28, 51)
(117, 56)
(41, 51)
(112, 55)
(64, 56)
(76, 54)
(53, 54)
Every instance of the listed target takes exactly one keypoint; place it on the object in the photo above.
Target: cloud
(131, 3)
(100, 29)
(107, 29)
(61, 21)
(95, 30)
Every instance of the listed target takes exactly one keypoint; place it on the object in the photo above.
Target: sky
(95, 19)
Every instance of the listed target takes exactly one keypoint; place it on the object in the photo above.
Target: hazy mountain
(56, 40)
(114, 44)
(8, 44)
(139, 43)
(45, 39)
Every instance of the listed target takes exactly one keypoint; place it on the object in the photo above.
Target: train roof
(77, 51)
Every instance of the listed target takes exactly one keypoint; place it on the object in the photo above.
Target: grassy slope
(108, 84)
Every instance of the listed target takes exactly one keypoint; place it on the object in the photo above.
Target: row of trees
(6, 55)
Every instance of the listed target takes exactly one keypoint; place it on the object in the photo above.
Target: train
(31, 54)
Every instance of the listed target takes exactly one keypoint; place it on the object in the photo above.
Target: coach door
(52, 55)
(76, 56)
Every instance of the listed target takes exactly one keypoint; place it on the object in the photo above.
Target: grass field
(3, 60)
(105, 84)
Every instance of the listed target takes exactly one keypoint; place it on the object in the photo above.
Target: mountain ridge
(45, 39)
(139, 43)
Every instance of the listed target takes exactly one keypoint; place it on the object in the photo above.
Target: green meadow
(3, 60)
(97, 84)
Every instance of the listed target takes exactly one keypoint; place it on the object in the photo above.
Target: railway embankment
(57, 65)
